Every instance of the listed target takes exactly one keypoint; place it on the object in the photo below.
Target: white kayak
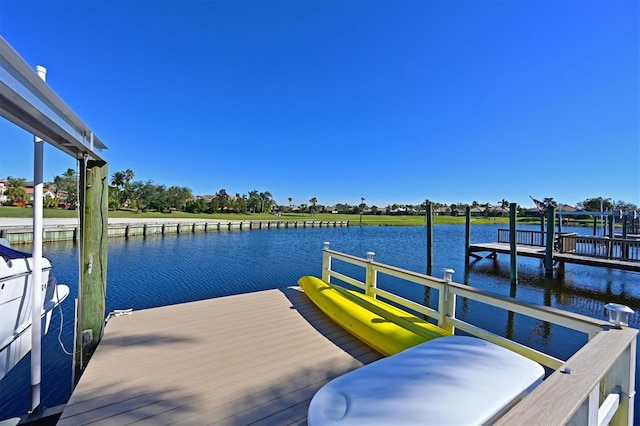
(454, 380)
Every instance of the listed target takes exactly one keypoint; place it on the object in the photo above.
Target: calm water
(158, 271)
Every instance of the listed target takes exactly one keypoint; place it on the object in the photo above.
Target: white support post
(36, 274)
(593, 404)
(446, 303)
(326, 263)
(620, 381)
(372, 276)
(608, 408)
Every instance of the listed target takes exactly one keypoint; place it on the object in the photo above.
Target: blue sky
(393, 101)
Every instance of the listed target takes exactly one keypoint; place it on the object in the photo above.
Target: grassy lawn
(28, 212)
(353, 219)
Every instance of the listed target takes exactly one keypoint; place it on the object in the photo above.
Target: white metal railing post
(326, 263)
(446, 302)
(372, 276)
(36, 277)
(587, 414)
(599, 390)
(627, 387)
(621, 376)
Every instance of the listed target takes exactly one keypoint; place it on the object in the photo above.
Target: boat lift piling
(542, 217)
(513, 241)
(93, 242)
(429, 223)
(467, 235)
(548, 257)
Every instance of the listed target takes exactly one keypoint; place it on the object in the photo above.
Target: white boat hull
(16, 307)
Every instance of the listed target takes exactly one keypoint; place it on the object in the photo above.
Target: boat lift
(28, 102)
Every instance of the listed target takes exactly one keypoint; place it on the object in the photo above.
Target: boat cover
(9, 253)
(455, 380)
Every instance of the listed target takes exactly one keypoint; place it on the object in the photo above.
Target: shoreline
(7, 222)
(20, 230)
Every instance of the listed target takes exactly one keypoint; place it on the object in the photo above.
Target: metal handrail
(602, 372)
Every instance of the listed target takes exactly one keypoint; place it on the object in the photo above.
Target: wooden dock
(539, 252)
(255, 358)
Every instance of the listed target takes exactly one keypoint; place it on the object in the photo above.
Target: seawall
(20, 232)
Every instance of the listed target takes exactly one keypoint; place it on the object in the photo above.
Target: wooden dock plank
(256, 357)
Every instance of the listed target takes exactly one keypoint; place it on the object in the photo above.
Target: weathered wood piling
(92, 253)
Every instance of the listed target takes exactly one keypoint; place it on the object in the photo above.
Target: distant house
(531, 212)
(566, 208)
(477, 211)
(403, 211)
(559, 208)
(442, 211)
(62, 198)
(3, 186)
(500, 211)
(46, 193)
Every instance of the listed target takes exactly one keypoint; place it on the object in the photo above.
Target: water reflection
(568, 293)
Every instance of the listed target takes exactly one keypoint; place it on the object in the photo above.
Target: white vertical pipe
(36, 275)
(326, 263)
(370, 280)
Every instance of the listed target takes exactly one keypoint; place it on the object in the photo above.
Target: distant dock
(606, 252)
(20, 232)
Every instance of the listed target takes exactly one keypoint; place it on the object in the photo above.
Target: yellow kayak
(387, 329)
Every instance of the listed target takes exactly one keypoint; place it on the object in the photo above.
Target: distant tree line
(254, 202)
(126, 193)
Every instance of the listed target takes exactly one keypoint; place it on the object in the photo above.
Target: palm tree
(267, 201)
(66, 186)
(118, 179)
(503, 206)
(223, 199)
(313, 202)
(362, 206)
(254, 201)
(128, 176)
(16, 191)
